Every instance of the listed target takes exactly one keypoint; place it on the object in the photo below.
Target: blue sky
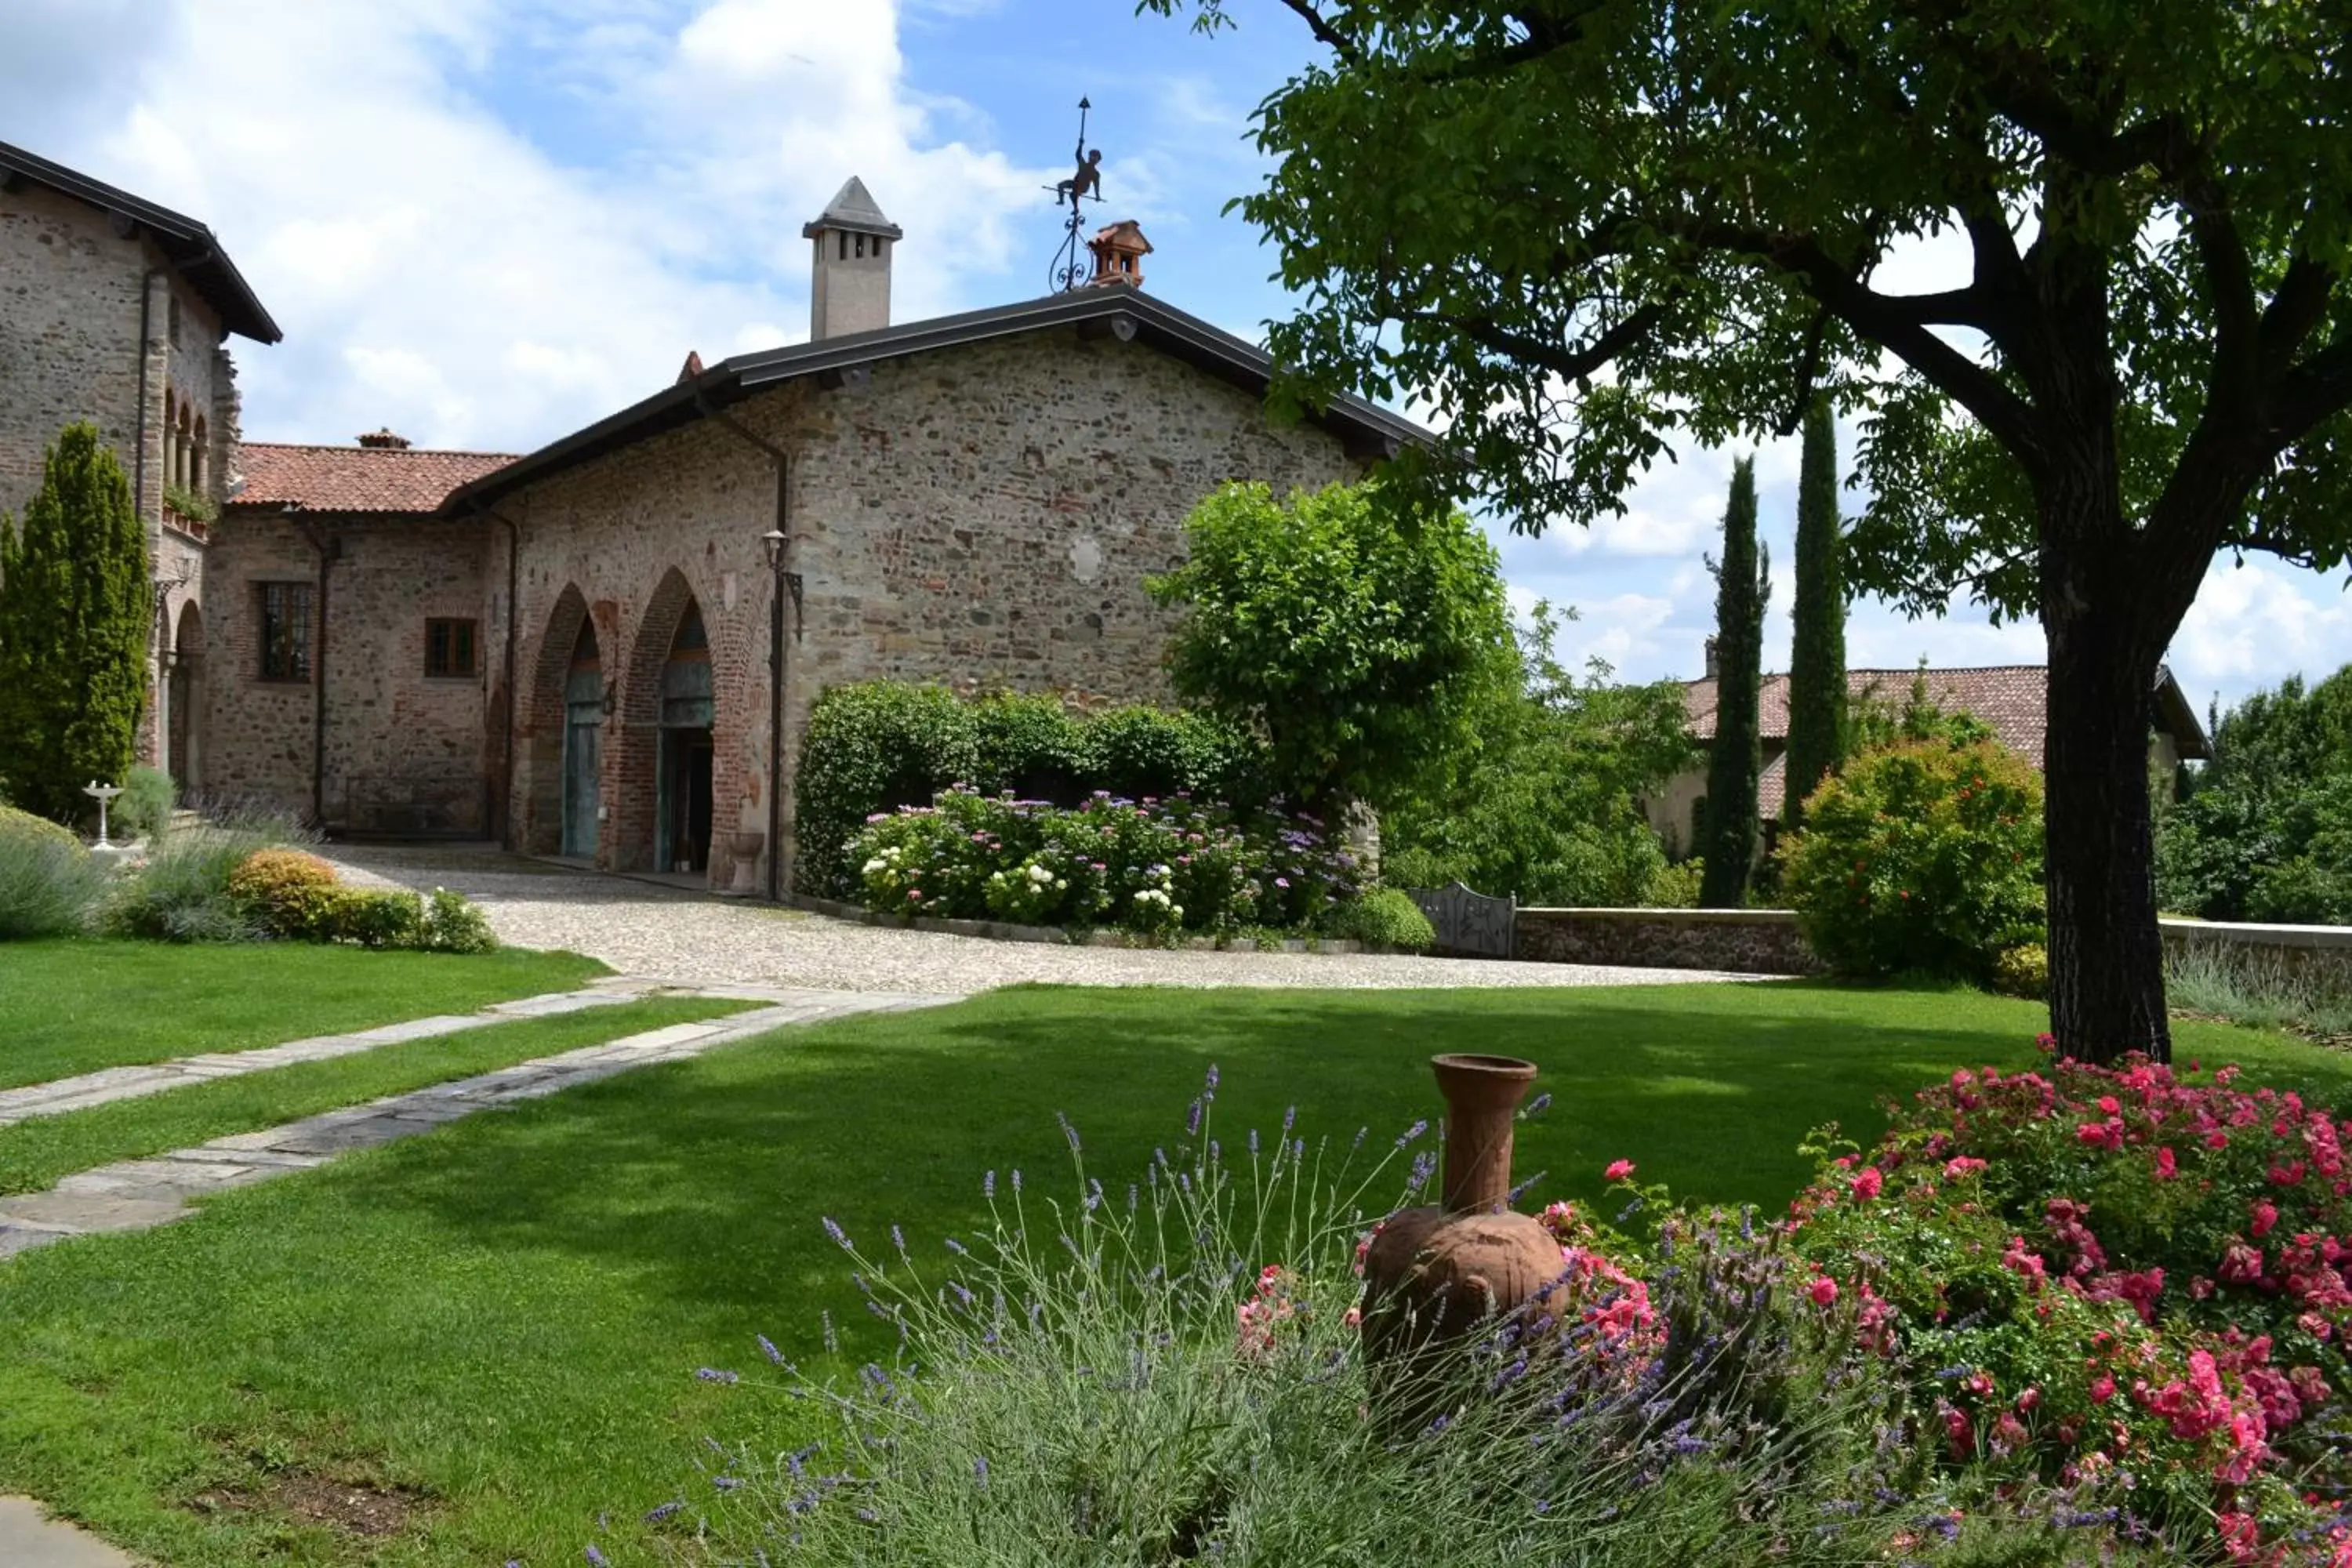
(486, 223)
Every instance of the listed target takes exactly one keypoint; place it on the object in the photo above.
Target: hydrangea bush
(2130, 1283)
(1149, 866)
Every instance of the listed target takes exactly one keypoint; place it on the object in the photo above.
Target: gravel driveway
(642, 928)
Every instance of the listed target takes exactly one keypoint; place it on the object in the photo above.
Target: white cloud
(436, 268)
(2255, 622)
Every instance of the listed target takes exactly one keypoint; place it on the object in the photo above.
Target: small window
(449, 648)
(843, 238)
(285, 631)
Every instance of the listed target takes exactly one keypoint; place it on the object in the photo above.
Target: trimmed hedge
(874, 746)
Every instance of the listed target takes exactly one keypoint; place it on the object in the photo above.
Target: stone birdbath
(102, 794)
(1435, 1275)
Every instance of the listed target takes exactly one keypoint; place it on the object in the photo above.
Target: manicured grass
(69, 1007)
(507, 1315)
(35, 1154)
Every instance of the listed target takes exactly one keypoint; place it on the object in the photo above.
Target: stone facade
(1735, 941)
(72, 284)
(404, 750)
(982, 515)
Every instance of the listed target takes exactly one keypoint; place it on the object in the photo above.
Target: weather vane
(1069, 270)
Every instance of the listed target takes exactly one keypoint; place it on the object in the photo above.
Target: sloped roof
(1121, 308)
(383, 479)
(2013, 699)
(191, 247)
(853, 209)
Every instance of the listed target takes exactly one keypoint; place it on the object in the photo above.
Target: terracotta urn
(1434, 1275)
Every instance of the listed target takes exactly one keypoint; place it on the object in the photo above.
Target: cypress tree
(73, 631)
(1817, 657)
(1743, 580)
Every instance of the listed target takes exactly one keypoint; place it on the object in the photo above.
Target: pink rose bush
(2129, 1283)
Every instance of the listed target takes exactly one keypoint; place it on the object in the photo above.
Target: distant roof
(2013, 699)
(852, 208)
(188, 245)
(387, 479)
(1121, 308)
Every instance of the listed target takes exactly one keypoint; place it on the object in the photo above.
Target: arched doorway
(583, 721)
(184, 702)
(683, 754)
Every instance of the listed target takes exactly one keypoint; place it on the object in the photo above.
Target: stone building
(118, 311)
(607, 649)
(2012, 700)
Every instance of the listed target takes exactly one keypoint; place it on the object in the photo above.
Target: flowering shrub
(2130, 1282)
(288, 892)
(1921, 856)
(1169, 1370)
(1149, 865)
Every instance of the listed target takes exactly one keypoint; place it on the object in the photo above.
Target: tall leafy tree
(1817, 652)
(1742, 584)
(2149, 359)
(1359, 636)
(73, 631)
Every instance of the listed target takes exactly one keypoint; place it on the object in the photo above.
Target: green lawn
(503, 1319)
(69, 1007)
(35, 1154)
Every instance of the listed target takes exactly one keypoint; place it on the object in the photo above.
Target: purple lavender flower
(768, 1348)
(834, 1230)
(1414, 1131)
(598, 1558)
(1068, 1131)
(655, 1516)
(980, 1470)
(713, 1374)
(988, 1186)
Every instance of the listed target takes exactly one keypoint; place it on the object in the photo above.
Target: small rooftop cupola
(384, 440)
(850, 291)
(1119, 250)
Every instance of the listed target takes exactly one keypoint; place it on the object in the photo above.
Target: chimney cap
(852, 210)
(1119, 249)
(383, 439)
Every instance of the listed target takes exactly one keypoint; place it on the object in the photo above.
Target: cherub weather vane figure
(1069, 271)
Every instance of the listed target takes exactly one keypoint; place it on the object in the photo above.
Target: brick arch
(633, 750)
(539, 800)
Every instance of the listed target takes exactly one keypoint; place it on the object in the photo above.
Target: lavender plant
(1168, 1370)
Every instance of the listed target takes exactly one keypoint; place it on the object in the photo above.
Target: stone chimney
(1713, 666)
(384, 440)
(1119, 250)
(850, 288)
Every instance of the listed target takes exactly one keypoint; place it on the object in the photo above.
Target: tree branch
(1546, 35)
(1324, 34)
(2298, 306)
(1568, 365)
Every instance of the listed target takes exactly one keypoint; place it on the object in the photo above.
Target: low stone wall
(1738, 941)
(2323, 952)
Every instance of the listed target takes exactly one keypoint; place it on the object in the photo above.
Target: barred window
(286, 622)
(449, 648)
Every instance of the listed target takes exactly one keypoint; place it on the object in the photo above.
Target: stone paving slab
(30, 1539)
(106, 1085)
(135, 1195)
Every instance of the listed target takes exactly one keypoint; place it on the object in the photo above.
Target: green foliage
(48, 882)
(189, 504)
(454, 925)
(874, 746)
(1735, 758)
(1924, 858)
(1357, 633)
(74, 621)
(287, 893)
(377, 916)
(2265, 833)
(1385, 918)
(1151, 867)
(1543, 800)
(144, 809)
(1675, 887)
(2259, 988)
(2022, 971)
(1817, 694)
(181, 893)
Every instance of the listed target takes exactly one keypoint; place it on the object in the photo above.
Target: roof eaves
(1179, 331)
(191, 247)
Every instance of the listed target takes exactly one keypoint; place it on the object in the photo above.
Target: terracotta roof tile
(358, 479)
(2011, 697)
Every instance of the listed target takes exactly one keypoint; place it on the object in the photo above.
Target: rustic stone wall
(1738, 941)
(404, 752)
(981, 515)
(70, 349)
(2322, 953)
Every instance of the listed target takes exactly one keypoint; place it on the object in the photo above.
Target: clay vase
(1435, 1275)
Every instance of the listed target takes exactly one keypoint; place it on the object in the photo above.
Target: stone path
(644, 927)
(83, 1090)
(30, 1539)
(134, 1195)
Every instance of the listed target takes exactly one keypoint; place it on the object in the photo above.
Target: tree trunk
(2106, 961)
